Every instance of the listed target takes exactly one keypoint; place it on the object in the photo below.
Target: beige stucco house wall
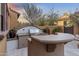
(60, 23)
(12, 18)
(0, 17)
(3, 33)
(3, 44)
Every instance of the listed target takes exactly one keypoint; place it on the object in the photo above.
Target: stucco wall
(61, 24)
(76, 29)
(0, 8)
(3, 46)
(13, 19)
(3, 41)
(0, 16)
(36, 48)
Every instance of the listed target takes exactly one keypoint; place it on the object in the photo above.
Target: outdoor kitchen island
(49, 45)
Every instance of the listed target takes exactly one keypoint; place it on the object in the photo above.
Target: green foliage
(34, 15)
(32, 12)
(75, 17)
(69, 23)
(57, 29)
(48, 19)
(40, 22)
(51, 22)
(53, 17)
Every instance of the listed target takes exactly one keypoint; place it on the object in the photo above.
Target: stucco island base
(47, 45)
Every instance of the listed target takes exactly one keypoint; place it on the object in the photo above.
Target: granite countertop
(54, 39)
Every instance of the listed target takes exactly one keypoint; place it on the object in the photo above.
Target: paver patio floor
(70, 49)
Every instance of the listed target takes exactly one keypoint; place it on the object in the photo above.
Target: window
(0, 16)
(1, 23)
(3, 19)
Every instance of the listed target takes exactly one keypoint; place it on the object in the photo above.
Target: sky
(61, 7)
